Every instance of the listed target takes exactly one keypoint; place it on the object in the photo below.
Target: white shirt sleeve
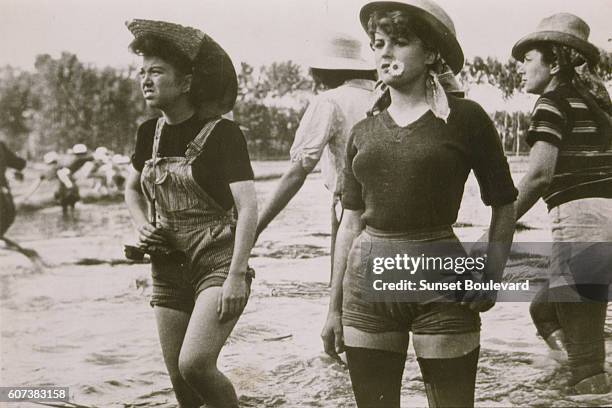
(314, 132)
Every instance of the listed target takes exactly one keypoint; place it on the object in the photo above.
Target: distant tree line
(64, 101)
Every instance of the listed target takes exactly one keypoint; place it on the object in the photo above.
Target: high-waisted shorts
(421, 317)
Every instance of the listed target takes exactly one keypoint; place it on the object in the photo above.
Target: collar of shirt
(360, 83)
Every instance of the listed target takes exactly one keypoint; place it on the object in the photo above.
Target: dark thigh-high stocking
(376, 376)
(450, 382)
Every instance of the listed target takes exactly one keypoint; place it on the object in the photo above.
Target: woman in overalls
(405, 172)
(192, 167)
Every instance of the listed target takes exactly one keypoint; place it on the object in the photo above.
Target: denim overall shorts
(199, 227)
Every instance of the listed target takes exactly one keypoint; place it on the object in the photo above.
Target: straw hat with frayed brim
(209, 59)
(563, 29)
(436, 25)
(340, 51)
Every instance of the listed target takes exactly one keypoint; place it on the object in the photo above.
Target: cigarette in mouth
(396, 68)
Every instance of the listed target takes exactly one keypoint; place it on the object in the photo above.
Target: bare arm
(235, 292)
(246, 205)
(148, 235)
(332, 334)
(135, 199)
(501, 231)
(350, 227)
(288, 186)
(542, 162)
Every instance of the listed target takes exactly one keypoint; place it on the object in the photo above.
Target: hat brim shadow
(438, 35)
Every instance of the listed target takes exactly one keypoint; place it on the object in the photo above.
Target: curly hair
(152, 46)
(398, 24)
(205, 69)
(552, 53)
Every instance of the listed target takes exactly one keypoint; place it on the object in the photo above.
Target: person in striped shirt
(570, 167)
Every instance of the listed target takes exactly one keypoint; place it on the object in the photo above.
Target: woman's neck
(179, 112)
(552, 85)
(409, 102)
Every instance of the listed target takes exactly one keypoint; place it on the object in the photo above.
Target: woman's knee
(197, 369)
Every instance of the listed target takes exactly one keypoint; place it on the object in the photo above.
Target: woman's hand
(151, 236)
(479, 300)
(332, 335)
(233, 297)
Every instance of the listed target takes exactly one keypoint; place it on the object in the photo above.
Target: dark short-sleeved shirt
(224, 159)
(8, 159)
(412, 178)
(583, 169)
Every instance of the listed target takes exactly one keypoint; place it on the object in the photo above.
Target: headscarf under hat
(568, 37)
(440, 81)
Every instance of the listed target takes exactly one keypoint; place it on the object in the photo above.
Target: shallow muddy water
(85, 322)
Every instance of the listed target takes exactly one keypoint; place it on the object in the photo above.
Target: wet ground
(84, 322)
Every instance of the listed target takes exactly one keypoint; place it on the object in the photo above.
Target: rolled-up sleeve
(314, 133)
(491, 166)
(352, 198)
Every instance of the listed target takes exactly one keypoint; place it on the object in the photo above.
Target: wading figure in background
(68, 191)
(192, 168)
(570, 167)
(404, 178)
(324, 128)
(7, 205)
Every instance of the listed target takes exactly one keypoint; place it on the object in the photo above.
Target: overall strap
(158, 130)
(194, 148)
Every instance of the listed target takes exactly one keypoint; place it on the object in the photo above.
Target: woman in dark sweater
(192, 168)
(405, 172)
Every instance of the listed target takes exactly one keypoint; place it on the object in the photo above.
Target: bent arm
(63, 175)
(135, 199)
(288, 186)
(350, 227)
(501, 231)
(542, 162)
(246, 206)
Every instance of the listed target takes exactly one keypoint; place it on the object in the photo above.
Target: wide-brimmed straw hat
(431, 22)
(563, 29)
(340, 51)
(210, 62)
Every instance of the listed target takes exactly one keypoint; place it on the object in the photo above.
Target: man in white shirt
(325, 126)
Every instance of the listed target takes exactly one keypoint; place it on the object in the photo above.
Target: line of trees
(64, 101)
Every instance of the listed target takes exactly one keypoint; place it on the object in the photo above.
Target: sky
(259, 31)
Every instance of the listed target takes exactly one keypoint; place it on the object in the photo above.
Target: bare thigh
(205, 334)
(171, 327)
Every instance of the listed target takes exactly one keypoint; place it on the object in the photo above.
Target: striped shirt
(583, 169)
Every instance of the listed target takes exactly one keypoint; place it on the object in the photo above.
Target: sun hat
(79, 148)
(435, 24)
(340, 51)
(101, 153)
(212, 66)
(563, 29)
